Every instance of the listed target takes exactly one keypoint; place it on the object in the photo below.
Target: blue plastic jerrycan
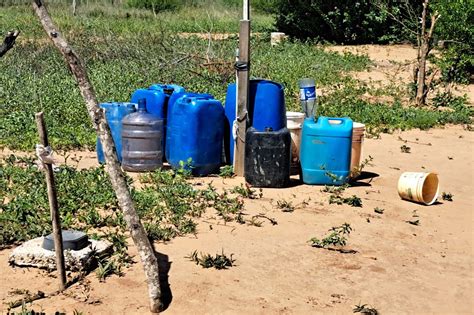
(114, 114)
(266, 109)
(196, 134)
(325, 151)
(173, 98)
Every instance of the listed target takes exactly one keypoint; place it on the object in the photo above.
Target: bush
(154, 5)
(456, 27)
(341, 21)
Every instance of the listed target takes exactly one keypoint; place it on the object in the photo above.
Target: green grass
(168, 205)
(139, 49)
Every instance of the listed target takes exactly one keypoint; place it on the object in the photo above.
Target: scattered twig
(30, 298)
(272, 220)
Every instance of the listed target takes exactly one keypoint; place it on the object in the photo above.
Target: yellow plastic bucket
(419, 187)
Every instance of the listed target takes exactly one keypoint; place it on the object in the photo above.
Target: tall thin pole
(242, 95)
(53, 205)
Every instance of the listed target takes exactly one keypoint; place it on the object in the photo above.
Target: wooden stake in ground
(53, 203)
(8, 42)
(117, 178)
(243, 71)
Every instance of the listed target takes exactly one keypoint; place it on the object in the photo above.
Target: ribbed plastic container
(294, 123)
(419, 187)
(114, 114)
(326, 150)
(174, 97)
(158, 98)
(267, 158)
(196, 133)
(142, 141)
(358, 131)
(266, 109)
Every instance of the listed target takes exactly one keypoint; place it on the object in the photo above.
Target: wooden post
(112, 166)
(53, 205)
(243, 74)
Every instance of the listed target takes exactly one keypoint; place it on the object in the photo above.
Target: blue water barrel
(142, 134)
(114, 113)
(325, 150)
(266, 109)
(197, 130)
(158, 97)
(173, 98)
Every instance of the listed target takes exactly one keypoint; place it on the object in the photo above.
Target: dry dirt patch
(399, 267)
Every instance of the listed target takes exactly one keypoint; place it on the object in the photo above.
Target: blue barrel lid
(162, 87)
(329, 126)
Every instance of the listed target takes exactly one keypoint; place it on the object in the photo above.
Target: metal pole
(53, 205)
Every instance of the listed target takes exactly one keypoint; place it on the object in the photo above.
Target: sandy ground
(399, 268)
(393, 67)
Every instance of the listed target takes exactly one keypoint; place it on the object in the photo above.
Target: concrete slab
(31, 254)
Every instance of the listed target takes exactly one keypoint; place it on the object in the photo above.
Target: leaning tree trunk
(425, 44)
(117, 178)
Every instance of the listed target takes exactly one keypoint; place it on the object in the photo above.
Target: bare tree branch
(8, 42)
(117, 177)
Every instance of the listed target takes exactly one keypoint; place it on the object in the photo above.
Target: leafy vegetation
(285, 206)
(348, 22)
(167, 205)
(247, 191)
(447, 196)
(353, 201)
(337, 237)
(118, 55)
(220, 261)
(365, 309)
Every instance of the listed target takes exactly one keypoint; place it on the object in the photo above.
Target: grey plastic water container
(142, 147)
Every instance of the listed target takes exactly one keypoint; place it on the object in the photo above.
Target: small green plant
(185, 168)
(337, 237)
(107, 267)
(353, 201)
(405, 149)
(335, 190)
(227, 171)
(357, 170)
(447, 196)
(285, 206)
(220, 261)
(247, 192)
(365, 309)
(379, 210)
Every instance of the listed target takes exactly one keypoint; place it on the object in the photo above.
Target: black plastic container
(74, 240)
(267, 157)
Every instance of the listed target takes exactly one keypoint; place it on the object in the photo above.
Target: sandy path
(399, 268)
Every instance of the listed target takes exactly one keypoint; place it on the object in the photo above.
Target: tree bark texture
(117, 177)
(53, 205)
(425, 44)
(8, 42)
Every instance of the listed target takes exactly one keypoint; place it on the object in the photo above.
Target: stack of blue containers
(268, 149)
